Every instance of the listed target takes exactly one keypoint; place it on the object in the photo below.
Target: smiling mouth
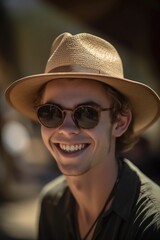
(72, 148)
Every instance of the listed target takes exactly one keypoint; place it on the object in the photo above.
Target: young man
(89, 114)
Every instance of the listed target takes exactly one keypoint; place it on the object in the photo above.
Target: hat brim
(145, 102)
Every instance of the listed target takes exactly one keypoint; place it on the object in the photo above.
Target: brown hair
(121, 105)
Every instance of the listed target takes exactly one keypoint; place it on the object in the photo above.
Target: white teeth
(71, 148)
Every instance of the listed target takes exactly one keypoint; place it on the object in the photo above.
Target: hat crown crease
(87, 52)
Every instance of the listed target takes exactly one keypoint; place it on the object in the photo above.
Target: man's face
(78, 150)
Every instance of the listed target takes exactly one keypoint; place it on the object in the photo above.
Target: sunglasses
(84, 116)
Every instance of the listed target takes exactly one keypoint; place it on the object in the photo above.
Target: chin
(72, 171)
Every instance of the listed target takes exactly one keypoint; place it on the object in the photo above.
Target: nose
(68, 127)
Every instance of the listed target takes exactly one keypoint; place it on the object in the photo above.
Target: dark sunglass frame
(80, 124)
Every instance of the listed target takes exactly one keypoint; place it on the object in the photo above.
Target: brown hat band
(75, 68)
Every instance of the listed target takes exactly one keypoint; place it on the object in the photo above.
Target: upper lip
(70, 144)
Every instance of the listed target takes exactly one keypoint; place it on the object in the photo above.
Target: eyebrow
(90, 103)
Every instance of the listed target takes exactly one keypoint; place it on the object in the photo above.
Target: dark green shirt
(135, 212)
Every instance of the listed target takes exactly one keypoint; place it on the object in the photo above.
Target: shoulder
(54, 191)
(147, 206)
(148, 210)
(148, 189)
(54, 206)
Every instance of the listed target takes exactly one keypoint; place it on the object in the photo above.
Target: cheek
(105, 137)
(105, 127)
(45, 136)
(102, 134)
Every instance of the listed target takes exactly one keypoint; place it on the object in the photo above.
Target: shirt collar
(126, 191)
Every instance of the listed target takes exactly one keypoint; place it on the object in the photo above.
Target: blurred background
(27, 29)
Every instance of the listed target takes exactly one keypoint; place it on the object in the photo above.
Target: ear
(122, 123)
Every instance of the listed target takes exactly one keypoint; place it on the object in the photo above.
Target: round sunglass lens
(86, 117)
(50, 116)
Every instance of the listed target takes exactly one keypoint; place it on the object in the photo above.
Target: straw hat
(87, 57)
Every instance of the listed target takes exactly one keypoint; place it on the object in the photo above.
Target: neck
(92, 193)
(93, 188)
